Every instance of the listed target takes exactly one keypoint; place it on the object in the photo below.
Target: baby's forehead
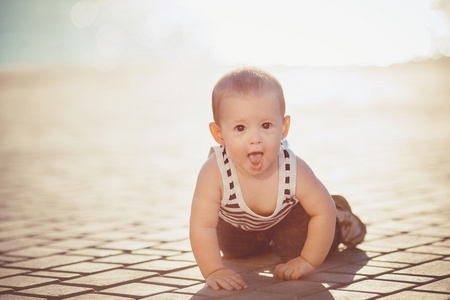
(253, 102)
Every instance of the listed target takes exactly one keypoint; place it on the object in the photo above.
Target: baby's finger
(297, 274)
(213, 284)
(235, 285)
(225, 284)
(279, 270)
(240, 281)
(287, 273)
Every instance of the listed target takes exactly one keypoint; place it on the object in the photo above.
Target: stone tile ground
(95, 190)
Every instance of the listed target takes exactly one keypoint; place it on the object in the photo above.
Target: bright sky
(325, 32)
(261, 32)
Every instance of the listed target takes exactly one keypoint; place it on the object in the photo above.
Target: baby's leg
(236, 243)
(288, 237)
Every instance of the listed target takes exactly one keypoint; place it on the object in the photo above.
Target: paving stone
(126, 259)
(437, 286)
(407, 257)
(385, 264)
(18, 233)
(162, 265)
(110, 236)
(167, 235)
(137, 289)
(157, 252)
(404, 241)
(35, 252)
(260, 295)
(376, 248)
(352, 255)
(175, 296)
(128, 245)
(15, 297)
(412, 295)
(20, 243)
(445, 243)
(59, 275)
(177, 282)
(4, 272)
(334, 277)
(9, 259)
(434, 268)
(405, 278)
(296, 287)
(87, 267)
(188, 256)
(256, 282)
(92, 252)
(53, 235)
(329, 264)
(203, 290)
(435, 231)
(48, 262)
(55, 291)
(190, 273)
(341, 295)
(184, 246)
(89, 228)
(360, 270)
(5, 290)
(391, 227)
(99, 297)
(431, 250)
(73, 244)
(109, 278)
(22, 281)
(377, 286)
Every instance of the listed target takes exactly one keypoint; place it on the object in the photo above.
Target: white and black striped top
(233, 209)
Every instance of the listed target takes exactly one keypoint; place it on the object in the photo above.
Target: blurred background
(108, 101)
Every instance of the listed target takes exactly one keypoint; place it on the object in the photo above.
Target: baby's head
(244, 81)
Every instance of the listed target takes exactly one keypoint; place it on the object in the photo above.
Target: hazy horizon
(317, 33)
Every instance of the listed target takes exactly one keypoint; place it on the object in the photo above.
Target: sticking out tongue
(255, 158)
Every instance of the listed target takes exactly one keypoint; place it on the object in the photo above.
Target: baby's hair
(242, 81)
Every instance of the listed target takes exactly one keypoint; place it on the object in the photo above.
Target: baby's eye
(266, 125)
(240, 128)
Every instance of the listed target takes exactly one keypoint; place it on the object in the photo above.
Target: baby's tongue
(255, 158)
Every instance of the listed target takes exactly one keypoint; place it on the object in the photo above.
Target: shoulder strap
(290, 163)
(225, 172)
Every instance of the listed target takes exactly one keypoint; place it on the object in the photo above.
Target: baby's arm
(318, 203)
(203, 235)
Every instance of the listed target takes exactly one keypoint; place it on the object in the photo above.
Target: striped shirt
(233, 209)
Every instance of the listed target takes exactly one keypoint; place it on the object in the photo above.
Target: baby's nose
(255, 137)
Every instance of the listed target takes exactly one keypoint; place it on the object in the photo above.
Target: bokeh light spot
(84, 13)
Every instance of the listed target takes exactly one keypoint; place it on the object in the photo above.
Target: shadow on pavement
(340, 269)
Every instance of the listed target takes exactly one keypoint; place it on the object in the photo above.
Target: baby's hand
(294, 269)
(226, 279)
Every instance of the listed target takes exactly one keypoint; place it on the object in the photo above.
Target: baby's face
(252, 128)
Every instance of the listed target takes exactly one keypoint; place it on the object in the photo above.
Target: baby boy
(253, 193)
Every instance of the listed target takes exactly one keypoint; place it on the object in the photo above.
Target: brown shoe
(353, 230)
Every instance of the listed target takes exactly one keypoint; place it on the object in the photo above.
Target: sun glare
(330, 33)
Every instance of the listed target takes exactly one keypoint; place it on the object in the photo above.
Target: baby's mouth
(255, 158)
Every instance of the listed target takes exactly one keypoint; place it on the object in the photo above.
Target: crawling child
(254, 194)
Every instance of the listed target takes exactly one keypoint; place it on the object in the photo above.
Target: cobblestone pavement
(97, 171)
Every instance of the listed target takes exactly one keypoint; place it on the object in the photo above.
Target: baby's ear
(286, 125)
(216, 133)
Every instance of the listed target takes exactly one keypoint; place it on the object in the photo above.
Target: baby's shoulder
(303, 169)
(209, 179)
(210, 169)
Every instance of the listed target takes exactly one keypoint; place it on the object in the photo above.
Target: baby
(253, 194)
